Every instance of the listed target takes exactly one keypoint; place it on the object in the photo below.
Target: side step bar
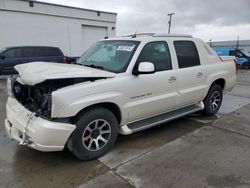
(159, 119)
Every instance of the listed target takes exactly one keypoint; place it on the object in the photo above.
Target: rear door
(29, 54)
(190, 75)
(52, 54)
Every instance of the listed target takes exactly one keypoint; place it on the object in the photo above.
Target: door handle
(199, 75)
(172, 79)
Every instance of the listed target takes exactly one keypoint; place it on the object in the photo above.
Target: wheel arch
(220, 81)
(114, 108)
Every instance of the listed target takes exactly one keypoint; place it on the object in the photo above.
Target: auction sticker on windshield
(125, 48)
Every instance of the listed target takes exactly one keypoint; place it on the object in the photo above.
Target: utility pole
(170, 21)
(237, 43)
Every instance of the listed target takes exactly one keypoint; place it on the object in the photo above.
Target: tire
(95, 134)
(213, 100)
(245, 65)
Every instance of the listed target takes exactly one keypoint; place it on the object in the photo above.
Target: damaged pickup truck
(120, 85)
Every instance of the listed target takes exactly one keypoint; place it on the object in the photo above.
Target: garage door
(91, 34)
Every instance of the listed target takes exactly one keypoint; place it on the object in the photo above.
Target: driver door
(156, 93)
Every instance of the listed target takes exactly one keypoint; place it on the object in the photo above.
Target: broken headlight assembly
(9, 87)
(36, 99)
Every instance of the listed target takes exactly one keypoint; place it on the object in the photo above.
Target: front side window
(187, 54)
(113, 56)
(158, 54)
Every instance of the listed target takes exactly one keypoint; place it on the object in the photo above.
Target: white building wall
(51, 25)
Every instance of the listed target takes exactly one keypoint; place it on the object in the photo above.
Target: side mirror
(145, 68)
(2, 57)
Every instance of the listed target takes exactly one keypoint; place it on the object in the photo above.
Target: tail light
(64, 59)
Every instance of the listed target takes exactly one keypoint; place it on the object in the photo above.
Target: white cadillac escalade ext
(119, 85)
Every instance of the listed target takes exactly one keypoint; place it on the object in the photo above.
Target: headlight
(17, 89)
(9, 87)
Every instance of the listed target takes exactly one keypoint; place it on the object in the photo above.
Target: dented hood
(37, 72)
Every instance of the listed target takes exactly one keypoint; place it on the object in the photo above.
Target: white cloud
(219, 20)
(218, 32)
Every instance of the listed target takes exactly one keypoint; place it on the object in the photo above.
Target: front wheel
(95, 134)
(213, 100)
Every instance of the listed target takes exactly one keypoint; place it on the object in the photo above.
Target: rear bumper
(41, 134)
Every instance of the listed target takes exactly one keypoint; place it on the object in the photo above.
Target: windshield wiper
(94, 66)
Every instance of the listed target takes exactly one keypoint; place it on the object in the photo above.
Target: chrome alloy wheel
(215, 100)
(96, 135)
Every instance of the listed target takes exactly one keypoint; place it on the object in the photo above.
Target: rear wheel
(213, 100)
(95, 134)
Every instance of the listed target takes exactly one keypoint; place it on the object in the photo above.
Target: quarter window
(158, 54)
(187, 54)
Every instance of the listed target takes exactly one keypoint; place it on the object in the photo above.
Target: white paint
(137, 97)
(36, 72)
(45, 135)
(51, 25)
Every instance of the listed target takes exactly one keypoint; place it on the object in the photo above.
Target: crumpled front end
(30, 103)
(25, 127)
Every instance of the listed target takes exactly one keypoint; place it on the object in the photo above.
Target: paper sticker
(125, 48)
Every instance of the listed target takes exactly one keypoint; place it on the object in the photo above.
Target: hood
(37, 72)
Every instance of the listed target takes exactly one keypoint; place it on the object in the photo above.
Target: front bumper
(40, 134)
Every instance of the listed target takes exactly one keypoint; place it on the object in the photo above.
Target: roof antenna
(134, 35)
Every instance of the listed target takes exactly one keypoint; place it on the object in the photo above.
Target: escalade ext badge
(37, 72)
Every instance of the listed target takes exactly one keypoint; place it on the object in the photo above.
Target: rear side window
(32, 52)
(187, 54)
(52, 52)
(158, 54)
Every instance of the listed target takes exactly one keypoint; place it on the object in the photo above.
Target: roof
(30, 47)
(149, 36)
(159, 35)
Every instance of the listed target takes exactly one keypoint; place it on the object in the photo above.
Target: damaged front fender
(38, 98)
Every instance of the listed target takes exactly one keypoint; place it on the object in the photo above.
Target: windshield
(113, 56)
(1, 51)
(245, 53)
